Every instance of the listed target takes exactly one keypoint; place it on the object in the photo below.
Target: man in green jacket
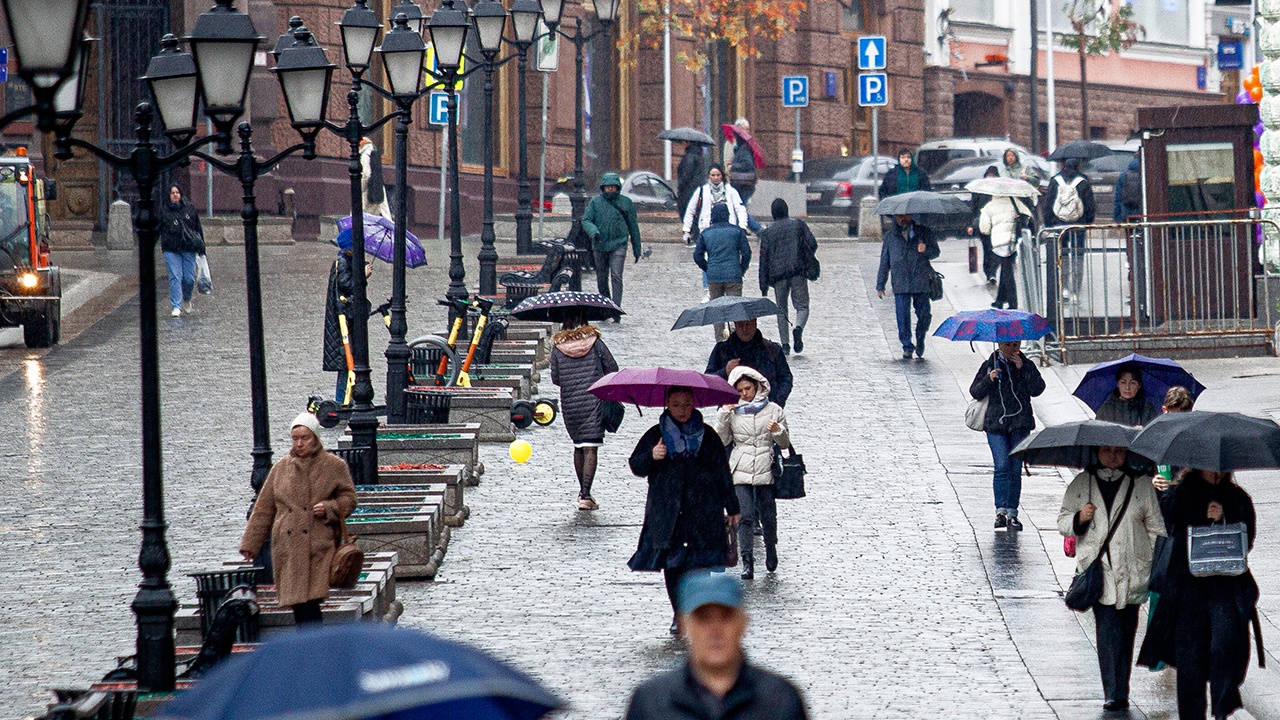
(609, 219)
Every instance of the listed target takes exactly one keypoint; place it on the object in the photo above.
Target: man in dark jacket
(746, 346)
(905, 253)
(610, 218)
(689, 175)
(716, 681)
(1075, 207)
(724, 255)
(906, 177)
(787, 260)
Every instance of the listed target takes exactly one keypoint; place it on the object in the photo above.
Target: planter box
(452, 479)
(454, 444)
(490, 408)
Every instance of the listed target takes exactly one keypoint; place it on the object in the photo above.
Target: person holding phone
(1010, 380)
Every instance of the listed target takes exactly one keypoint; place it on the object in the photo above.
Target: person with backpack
(1128, 193)
(610, 218)
(1069, 201)
(787, 262)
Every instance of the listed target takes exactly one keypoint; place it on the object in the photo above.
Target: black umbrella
(1073, 444)
(559, 306)
(687, 134)
(730, 308)
(1218, 441)
(1081, 150)
(923, 202)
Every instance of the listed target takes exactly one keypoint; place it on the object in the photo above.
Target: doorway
(979, 114)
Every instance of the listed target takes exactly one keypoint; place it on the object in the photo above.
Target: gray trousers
(798, 288)
(757, 504)
(609, 267)
(720, 289)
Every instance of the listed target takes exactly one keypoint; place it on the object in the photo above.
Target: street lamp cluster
(213, 77)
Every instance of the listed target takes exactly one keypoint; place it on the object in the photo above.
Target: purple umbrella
(1157, 376)
(648, 387)
(379, 240)
(994, 326)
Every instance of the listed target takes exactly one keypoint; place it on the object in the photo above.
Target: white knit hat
(308, 421)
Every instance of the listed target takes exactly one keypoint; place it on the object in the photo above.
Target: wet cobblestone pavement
(891, 599)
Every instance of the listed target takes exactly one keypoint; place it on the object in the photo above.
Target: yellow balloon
(520, 451)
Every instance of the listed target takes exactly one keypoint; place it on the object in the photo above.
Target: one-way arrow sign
(871, 55)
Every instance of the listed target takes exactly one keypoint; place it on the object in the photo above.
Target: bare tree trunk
(1084, 88)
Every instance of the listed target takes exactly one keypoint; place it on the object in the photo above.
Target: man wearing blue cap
(716, 682)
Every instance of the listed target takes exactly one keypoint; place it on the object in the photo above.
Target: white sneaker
(177, 312)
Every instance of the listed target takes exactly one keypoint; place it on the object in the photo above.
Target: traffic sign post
(438, 114)
(871, 52)
(795, 94)
(873, 87)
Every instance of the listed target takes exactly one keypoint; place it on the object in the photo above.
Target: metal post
(578, 199)
(457, 272)
(397, 353)
(542, 162)
(444, 180)
(488, 255)
(1034, 80)
(524, 214)
(798, 139)
(253, 290)
(363, 423)
(666, 86)
(1050, 99)
(875, 137)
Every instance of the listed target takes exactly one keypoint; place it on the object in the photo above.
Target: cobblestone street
(892, 598)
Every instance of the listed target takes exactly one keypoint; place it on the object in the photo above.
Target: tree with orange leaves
(740, 24)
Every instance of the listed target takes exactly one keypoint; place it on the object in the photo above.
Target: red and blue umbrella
(994, 326)
(379, 240)
(1158, 375)
(649, 386)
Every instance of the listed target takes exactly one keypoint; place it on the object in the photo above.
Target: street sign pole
(795, 94)
(797, 152)
(875, 142)
(873, 87)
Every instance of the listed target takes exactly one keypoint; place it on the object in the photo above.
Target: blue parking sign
(873, 89)
(795, 91)
(439, 109)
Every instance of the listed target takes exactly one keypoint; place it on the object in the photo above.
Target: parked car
(1105, 171)
(950, 179)
(833, 185)
(934, 154)
(647, 190)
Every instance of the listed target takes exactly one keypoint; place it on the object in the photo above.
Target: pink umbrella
(648, 387)
(735, 133)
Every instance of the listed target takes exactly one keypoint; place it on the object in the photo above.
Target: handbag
(1069, 546)
(731, 547)
(1218, 549)
(1086, 586)
(788, 474)
(935, 282)
(975, 416)
(611, 413)
(348, 560)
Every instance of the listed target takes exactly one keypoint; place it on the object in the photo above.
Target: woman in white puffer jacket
(753, 425)
(1003, 219)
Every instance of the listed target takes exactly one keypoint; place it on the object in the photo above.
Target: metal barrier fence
(1187, 284)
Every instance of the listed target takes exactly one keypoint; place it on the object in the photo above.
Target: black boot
(797, 340)
(770, 557)
(748, 567)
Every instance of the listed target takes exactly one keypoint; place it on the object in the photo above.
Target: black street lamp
(524, 21)
(448, 27)
(223, 43)
(46, 36)
(490, 20)
(606, 13)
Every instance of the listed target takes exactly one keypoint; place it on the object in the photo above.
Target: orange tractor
(30, 287)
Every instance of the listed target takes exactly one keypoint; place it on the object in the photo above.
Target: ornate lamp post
(448, 27)
(223, 43)
(490, 20)
(606, 13)
(524, 21)
(48, 47)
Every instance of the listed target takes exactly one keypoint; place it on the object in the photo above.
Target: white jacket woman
(746, 425)
(999, 219)
(711, 193)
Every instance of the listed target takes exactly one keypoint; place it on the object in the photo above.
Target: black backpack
(1131, 190)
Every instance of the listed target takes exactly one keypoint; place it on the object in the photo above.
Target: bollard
(868, 221)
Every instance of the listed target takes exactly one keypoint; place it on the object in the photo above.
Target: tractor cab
(30, 286)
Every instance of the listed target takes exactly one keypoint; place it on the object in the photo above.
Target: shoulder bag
(1086, 586)
(611, 413)
(935, 282)
(1218, 549)
(348, 560)
(975, 416)
(788, 474)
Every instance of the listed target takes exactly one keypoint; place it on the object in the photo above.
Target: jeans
(903, 302)
(756, 503)
(609, 266)
(720, 289)
(798, 288)
(1007, 290)
(1006, 481)
(752, 224)
(1115, 631)
(182, 276)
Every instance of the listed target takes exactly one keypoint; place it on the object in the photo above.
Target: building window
(1166, 21)
(1201, 177)
(851, 16)
(1061, 20)
(982, 11)
(1097, 132)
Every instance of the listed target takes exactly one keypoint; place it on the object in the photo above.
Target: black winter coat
(341, 285)
(573, 375)
(1135, 412)
(785, 247)
(1084, 190)
(689, 176)
(1009, 410)
(687, 503)
(1189, 506)
(889, 186)
(180, 229)
(757, 695)
(762, 355)
(901, 263)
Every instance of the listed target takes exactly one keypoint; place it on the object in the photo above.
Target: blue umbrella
(379, 240)
(1158, 375)
(362, 670)
(994, 326)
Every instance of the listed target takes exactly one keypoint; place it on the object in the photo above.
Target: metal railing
(1185, 282)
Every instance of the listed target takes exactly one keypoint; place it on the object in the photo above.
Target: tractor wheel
(41, 331)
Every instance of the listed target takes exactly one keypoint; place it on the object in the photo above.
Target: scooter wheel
(327, 413)
(522, 414)
(544, 412)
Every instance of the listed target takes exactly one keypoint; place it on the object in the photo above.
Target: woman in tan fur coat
(300, 503)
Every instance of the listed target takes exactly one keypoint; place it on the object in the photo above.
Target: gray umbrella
(1081, 150)
(687, 134)
(730, 308)
(923, 202)
(1073, 444)
(1218, 441)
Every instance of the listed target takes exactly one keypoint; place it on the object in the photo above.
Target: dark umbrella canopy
(728, 308)
(649, 386)
(1081, 150)
(923, 202)
(994, 325)
(1073, 444)
(687, 134)
(560, 306)
(1158, 375)
(1218, 441)
(362, 670)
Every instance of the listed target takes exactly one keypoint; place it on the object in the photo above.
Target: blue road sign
(871, 52)
(1230, 55)
(4, 65)
(873, 90)
(795, 91)
(439, 114)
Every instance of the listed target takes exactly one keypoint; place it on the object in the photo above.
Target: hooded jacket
(722, 250)
(785, 248)
(1071, 170)
(1016, 170)
(763, 355)
(891, 185)
(751, 456)
(579, 358)
(179, 228)
(999, 219)
(610, 220)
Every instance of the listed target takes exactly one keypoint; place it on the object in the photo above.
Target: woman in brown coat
(300, 503)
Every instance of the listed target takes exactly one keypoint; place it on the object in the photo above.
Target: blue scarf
(754, 406)
(682, 439)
